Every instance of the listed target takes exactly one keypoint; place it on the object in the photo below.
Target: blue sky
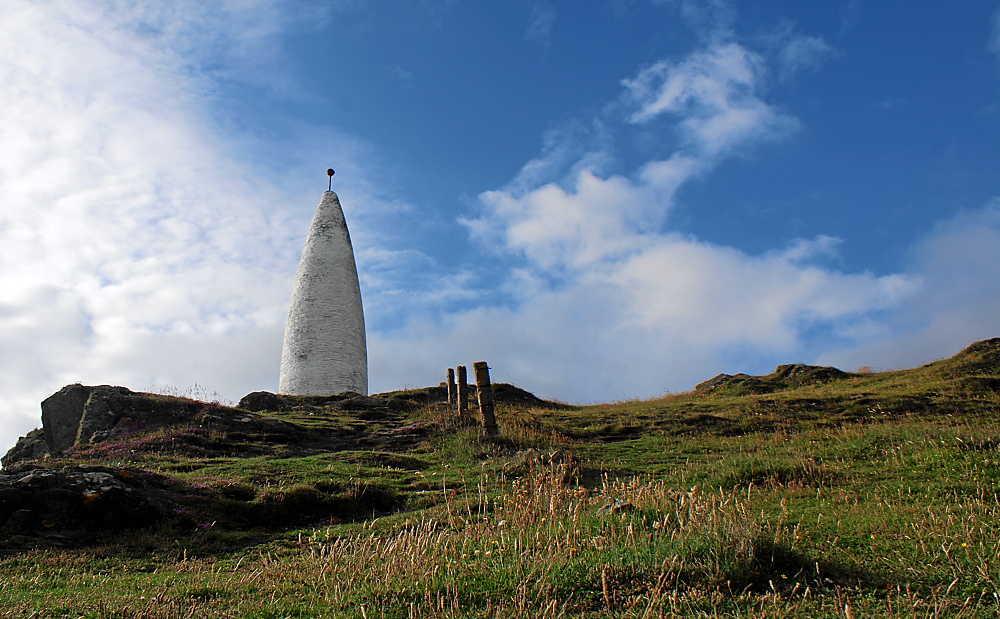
(605, 200)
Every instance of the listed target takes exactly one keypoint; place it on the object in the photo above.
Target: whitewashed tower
(325, 350)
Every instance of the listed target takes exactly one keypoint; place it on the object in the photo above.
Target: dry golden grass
(541, 546)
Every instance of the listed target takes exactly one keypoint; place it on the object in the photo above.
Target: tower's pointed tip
(329, 183)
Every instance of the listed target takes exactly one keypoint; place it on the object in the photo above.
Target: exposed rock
(97, 421)
(359, 403)
(784, 377)
(412, 399)
(741, 383)
(79, 505)
(796, 374)
(65, 503)
(76, 413)
(398, 406)
(81, 415)
(512, 394)
(31, 446)
(105, 407)
(262, 401)
(61, 414)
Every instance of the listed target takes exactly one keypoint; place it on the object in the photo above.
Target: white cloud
(720, 297)
(671, 315)
(596, 220)
(958, 266)
(714, 95)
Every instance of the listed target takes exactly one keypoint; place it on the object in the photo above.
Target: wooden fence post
(463, 390)
(451, 387)
(485, 397)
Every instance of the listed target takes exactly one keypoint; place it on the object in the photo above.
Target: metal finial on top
(329, 184)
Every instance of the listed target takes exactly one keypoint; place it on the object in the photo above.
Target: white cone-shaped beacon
(325, 352)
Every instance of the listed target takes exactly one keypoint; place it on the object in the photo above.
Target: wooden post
(451, 387)
(485, 397)
(463, 390)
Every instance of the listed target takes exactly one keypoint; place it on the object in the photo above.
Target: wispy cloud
(802, 53)
(993, 44)
(399, 74)
(541, 18)
(712, 19)
(713, 95)
(794, 53)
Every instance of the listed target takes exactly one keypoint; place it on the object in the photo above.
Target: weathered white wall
(325, 350)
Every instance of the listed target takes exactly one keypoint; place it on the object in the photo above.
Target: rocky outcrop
(83, 415)
(263, 401)
(32, 446)
(787, 376)
(63, 505)
(76, 413)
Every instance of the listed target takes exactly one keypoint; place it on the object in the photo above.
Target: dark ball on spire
(330, 172)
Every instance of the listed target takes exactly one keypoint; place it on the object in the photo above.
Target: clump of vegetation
(822, 495)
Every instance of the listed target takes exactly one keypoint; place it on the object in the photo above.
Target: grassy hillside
(805, 493)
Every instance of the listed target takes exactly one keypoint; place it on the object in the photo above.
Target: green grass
(870, 495)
